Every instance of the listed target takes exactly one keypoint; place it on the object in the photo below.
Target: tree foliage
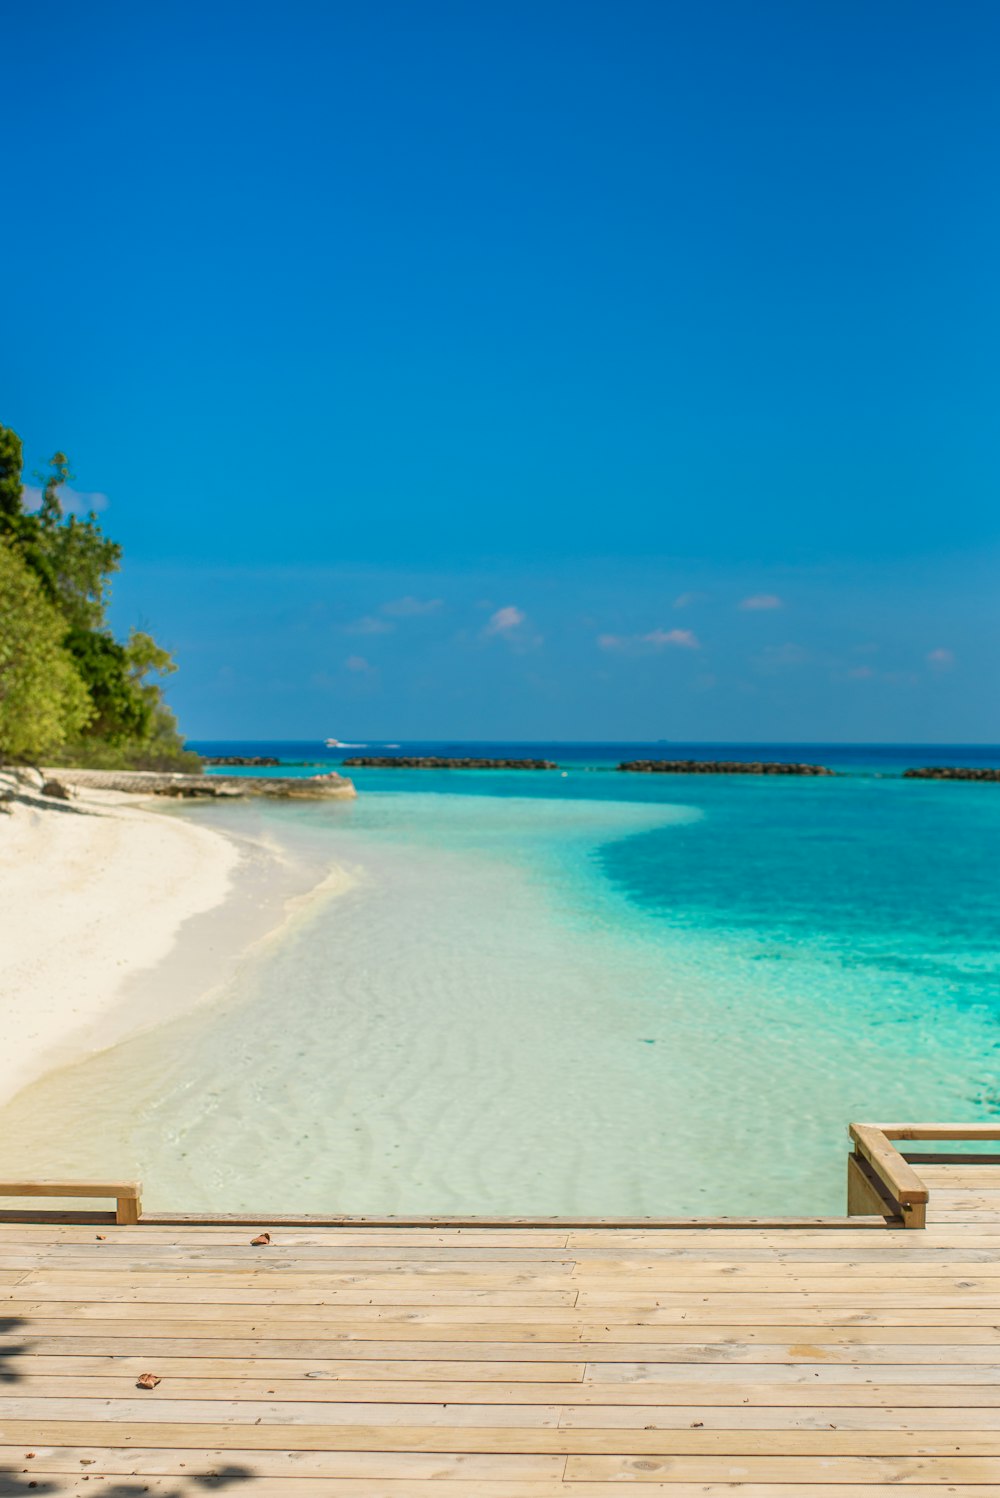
(74, 560)
(121, 712)
(71, 563)
(11, 462)
(43, 700)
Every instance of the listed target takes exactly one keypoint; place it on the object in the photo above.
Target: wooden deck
(843, 1359)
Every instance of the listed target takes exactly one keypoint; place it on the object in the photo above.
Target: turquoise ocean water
(575, 992)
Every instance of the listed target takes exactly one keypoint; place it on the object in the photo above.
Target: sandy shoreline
(119, 914)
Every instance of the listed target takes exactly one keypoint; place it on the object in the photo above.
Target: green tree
(72, 556)
(73, 562)
(121, 712)
(43, 701)
(11, 462)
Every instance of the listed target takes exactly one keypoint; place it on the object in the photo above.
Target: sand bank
(116, 915)
(91, 892)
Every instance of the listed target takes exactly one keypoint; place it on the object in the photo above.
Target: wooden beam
(866, 1193)
(127, 1194)
(748, 1225)
(119, 1189)
(899, 1178)
(936, 1130)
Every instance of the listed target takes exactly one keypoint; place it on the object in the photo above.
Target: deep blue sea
(867, 759)
(579, 991)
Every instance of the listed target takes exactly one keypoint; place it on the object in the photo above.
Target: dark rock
(950, 772)
(153, 783)
(57, 789)
(719, 767)
(434, 762)
(249, 761)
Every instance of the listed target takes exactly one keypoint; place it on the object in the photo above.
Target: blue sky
(575, 325)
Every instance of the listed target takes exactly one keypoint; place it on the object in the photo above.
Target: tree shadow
(10, 1351)
(19, 1484)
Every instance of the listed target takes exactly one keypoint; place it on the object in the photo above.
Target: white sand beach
(93, 891)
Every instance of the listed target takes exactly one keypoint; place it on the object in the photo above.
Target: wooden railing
(881, 1181)
(881, 1184)
(127, 1195)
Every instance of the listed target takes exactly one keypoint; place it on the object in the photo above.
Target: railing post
(127, 1195)
(128, 1209)
(880, 1181)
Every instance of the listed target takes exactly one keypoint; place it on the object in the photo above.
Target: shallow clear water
(582, 994)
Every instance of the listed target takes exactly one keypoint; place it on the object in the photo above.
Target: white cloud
(656, 639)
(505, 621)
(73, 501)
(512, 624)
(759, 601)
(778, 657)
(941, 659)
(357, 663)
(686, 639)
(411, 608)
(370, 625)
(685, 600)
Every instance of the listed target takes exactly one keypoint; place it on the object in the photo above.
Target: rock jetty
(218, 787)
(950, 772)
(435, 762)
(249, 761)
(719, 767)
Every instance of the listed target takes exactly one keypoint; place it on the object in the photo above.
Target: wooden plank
(937, 1130)
(498, 1440)
(492, 1323)
(332, 1376)
(607, 1343)
(882, 1404)
(128, 1459)
(408, 1383)
(777, 1469)
(880, 1344)
(180, 1485)
(309, 1290)
(845, 1230)
(309, 1305)
(135, 1247)
(516, 1303)
(554, 1223)
(856, 1373)
(126, 1190)
(492, 1403)
(217, 1401)
(962, 1308)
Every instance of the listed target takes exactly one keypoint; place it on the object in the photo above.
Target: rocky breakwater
(217, 787)
(719, 767)
(435, 762)
(249, 761)
(950, 772)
